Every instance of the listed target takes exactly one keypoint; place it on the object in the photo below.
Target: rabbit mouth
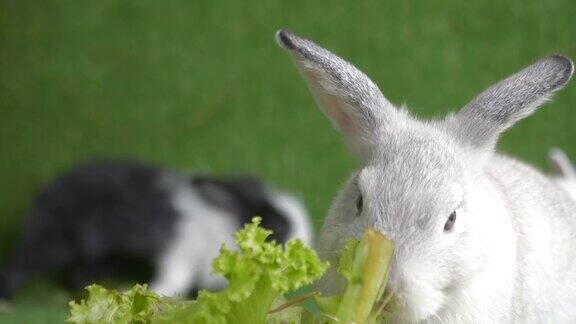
(410, 307)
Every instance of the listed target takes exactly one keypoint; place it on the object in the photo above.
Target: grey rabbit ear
(496, 109)
(352, 102)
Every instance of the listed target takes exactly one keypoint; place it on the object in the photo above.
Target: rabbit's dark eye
(359, 204)
(450, 222)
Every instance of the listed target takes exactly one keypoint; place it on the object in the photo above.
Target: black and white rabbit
(96, 217)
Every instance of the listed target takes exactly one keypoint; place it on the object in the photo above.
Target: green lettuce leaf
(365, 266)
(258, 273)
(136, 305)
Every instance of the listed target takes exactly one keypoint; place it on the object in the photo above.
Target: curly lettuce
(136, 305)
(260, 273)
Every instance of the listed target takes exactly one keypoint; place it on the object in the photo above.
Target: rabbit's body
(480, 237)
(530, 274)
(105, 219)
(544, 223)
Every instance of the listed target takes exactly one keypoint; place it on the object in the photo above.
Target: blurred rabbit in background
(93, 221)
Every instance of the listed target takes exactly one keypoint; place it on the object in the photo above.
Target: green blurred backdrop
(201, 86)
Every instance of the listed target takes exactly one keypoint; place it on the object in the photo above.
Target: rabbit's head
(420, 183)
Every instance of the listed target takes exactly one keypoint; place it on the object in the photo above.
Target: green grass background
(201, 86)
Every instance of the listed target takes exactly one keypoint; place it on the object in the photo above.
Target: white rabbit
(480, 237)
(565, 174)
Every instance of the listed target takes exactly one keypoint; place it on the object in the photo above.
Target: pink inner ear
(332, 106)
(556, 167)
(334, 110)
